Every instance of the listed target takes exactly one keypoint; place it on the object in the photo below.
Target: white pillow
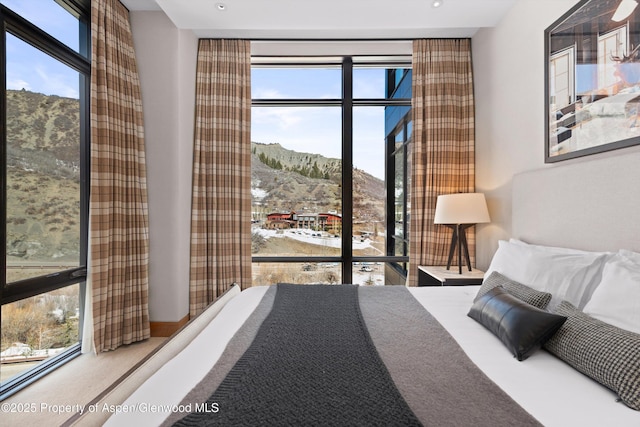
(617, 299)
(567, 274)
(557, 249)
(571, 251)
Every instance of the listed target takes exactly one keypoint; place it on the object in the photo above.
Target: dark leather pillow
(521, 327)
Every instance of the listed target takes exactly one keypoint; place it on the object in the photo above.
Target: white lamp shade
(461, 208)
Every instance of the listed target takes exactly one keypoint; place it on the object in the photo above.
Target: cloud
(18, 84)
(368, 89)
(58, 84)
(303, 129)
(282, 118)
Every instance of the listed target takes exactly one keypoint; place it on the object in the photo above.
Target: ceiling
(329, 19)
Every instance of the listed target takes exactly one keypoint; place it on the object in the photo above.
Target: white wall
(509, 90)
(166, 58)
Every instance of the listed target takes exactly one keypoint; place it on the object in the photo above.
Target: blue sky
(30, 69)
(304, 129)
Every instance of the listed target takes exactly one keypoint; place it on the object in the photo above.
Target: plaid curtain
(221, 202)
(443, 159)
(118, 204)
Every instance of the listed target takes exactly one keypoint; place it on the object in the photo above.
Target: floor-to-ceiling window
(44, 168)
(329, 167)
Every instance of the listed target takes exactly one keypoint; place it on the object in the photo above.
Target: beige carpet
(76, 383)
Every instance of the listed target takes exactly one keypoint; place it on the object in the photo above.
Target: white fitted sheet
(549, 389)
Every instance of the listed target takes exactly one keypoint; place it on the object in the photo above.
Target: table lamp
(459, 212)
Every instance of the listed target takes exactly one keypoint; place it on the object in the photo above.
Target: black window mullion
(3, 150)
(390, 179)
(85, 174)
(38, 285)
(373, 102)
(29, 33)
(347, 170)
(296, 102)
(78, 8)
(405, 191)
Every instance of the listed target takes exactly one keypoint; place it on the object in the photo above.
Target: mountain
(38, 123)
(306, 164)
(286, 180)
(43, 184)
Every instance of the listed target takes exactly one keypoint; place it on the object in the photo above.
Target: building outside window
(328, 171)
(44, 168)
(398, 131)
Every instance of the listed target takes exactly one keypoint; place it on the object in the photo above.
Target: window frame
(80, 62)
(347, 104)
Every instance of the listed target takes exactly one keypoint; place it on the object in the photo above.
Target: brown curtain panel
(443, 155)
(221, 202)
(118, 205)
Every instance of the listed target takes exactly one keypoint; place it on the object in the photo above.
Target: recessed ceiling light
(437, 3)
(221, 7)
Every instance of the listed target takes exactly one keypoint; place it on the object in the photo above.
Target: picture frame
(592, 79)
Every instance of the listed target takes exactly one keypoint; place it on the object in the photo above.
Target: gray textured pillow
(606, 353)
(522, 292)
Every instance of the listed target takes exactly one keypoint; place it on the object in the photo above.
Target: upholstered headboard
(590, 205)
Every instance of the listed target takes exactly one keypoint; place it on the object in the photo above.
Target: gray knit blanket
(312, 363)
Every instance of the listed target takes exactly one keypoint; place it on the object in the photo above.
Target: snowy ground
(363, 273)
(311, 237)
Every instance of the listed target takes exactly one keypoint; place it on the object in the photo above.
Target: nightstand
(438, 275)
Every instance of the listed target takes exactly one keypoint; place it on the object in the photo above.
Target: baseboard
(166, 329)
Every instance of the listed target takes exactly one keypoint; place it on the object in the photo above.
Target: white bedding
(549, 389)
(546, 387)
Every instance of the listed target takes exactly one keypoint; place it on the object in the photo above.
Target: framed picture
(592, 79)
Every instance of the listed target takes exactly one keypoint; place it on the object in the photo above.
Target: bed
(542, 386)
(545, 387)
